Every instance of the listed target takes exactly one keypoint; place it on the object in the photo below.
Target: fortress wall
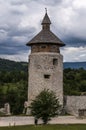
(74, 104)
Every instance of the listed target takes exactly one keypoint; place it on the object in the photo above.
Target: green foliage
(45, 106)
(13, 89)
(74, 81)
(7, 65)
(13, 84)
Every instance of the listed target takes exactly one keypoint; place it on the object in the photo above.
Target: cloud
(74, 54)
(49, 2)
(21, 20)
(17, 57)
(70, 21)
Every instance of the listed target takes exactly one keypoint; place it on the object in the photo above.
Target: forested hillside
(75, 65)
(14, 86)
(9, 65)
(74, 81)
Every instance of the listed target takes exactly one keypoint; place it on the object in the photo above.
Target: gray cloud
(49, 2)
(21, 20)
(13, 39)
(74, 54)
(75, 41)
(18, 2)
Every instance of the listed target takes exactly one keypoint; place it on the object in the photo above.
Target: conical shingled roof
(45, 35)
(46, 20)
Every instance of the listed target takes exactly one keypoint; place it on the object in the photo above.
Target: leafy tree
(45, 106)
(74, 81)
(13, 89)
(16, 96)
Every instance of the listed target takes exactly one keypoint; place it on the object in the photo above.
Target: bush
(45, 106)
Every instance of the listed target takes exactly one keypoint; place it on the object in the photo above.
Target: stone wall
(74, 104)
(45, 71)
(6, 109)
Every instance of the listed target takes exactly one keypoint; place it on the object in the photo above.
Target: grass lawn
(46, 127)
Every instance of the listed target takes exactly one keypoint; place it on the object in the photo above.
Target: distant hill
(9, 65)
(75, 65)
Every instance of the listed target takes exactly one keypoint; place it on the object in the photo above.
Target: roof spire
(46, 21)
(45, 10)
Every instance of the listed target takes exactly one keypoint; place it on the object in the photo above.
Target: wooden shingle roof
(45, 35)
(46, 19)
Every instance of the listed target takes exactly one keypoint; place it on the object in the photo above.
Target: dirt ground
(27, 120)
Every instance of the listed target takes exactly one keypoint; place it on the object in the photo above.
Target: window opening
(46, 76)
(55, 61)
(43, 46)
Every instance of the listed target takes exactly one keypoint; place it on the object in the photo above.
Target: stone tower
(45, 63)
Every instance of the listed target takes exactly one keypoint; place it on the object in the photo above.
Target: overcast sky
(20, 20)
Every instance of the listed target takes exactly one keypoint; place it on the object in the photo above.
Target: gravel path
(26, 120)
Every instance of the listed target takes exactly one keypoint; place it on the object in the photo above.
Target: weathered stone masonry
(74, 104)
(45, 71)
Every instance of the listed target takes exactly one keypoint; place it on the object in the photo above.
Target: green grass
(46, 127)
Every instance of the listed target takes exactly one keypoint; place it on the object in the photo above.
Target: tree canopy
(13, 89)
(45, 105)
(74, 81)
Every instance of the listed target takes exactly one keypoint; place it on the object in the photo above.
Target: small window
(46, 76)
(55, 61)
(43, 46)
(54, 47)
(33, 47)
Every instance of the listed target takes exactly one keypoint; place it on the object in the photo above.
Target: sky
(20, 21)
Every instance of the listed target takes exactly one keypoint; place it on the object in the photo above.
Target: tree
(45, 106)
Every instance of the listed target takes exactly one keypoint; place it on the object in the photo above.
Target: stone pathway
(26, 120)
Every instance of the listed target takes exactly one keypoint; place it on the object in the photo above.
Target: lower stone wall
(75, 103)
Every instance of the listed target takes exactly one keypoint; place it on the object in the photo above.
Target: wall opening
(43, 46)
(46, 76)
(82, 112)
(55, 61)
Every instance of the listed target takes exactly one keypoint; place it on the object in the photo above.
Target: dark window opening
(54, 47)
(46, 76)
(33, 47)
(43, 46)
(55, 61)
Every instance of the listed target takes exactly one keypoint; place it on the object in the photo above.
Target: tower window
(43, 46)
(55, 61)
(34, 47)
(46, 76)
